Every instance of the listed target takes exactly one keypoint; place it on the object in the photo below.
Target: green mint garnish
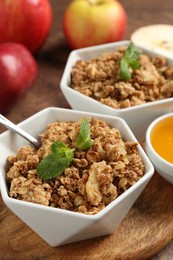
(56, 162)
(129, 62)
(61, 155)
(83, 140)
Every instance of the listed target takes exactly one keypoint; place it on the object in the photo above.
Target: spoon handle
(4, 121)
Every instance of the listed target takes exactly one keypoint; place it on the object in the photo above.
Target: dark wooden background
(46, 92)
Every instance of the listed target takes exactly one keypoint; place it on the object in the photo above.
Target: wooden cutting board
(147, 228)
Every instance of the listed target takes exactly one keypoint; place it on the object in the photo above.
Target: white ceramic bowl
(163, 167)
(57, 226)
(137, 117)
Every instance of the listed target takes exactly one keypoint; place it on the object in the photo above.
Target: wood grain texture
(146, 231)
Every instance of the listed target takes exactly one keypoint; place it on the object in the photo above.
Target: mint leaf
(56, 162)
(83, 141)
(135, 64)
(132, 52)
(51, 167)
(124, 72)
(61, 150)
(61, 155)
(129, 62)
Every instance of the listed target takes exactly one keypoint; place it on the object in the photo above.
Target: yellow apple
(92, 22)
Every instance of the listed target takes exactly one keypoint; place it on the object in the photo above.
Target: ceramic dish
(59, 226)
(161, 158)
(137, 117)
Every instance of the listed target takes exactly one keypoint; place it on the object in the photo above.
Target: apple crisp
(94, 178)
(99, 79)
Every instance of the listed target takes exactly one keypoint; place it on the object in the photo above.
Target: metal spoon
(7, 123)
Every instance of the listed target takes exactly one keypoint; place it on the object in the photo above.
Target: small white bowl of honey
(159, 145)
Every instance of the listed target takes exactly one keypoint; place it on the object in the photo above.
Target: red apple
(25, 21)
(92, 22)
(18, 72)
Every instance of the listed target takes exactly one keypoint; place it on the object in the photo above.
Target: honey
(162, 138)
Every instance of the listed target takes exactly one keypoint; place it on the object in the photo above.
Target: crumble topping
(94, 178)
(98, 78)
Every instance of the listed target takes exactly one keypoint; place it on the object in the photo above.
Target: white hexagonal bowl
(137, 117)
(58, 226)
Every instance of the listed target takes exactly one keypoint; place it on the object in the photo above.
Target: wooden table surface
(46, 92)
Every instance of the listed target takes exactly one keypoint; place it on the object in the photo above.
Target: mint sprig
(83, 140)
(56, 162)
(129, 62)
(61, 155)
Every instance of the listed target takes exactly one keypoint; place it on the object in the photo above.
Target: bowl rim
(148, 139)
(3, 185)
(66, 73)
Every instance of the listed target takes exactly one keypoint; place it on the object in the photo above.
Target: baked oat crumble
(98, 78)
(95, 177)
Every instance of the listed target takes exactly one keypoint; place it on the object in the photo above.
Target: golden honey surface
(162, 138)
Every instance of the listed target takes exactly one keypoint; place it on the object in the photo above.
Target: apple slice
(158, 38)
